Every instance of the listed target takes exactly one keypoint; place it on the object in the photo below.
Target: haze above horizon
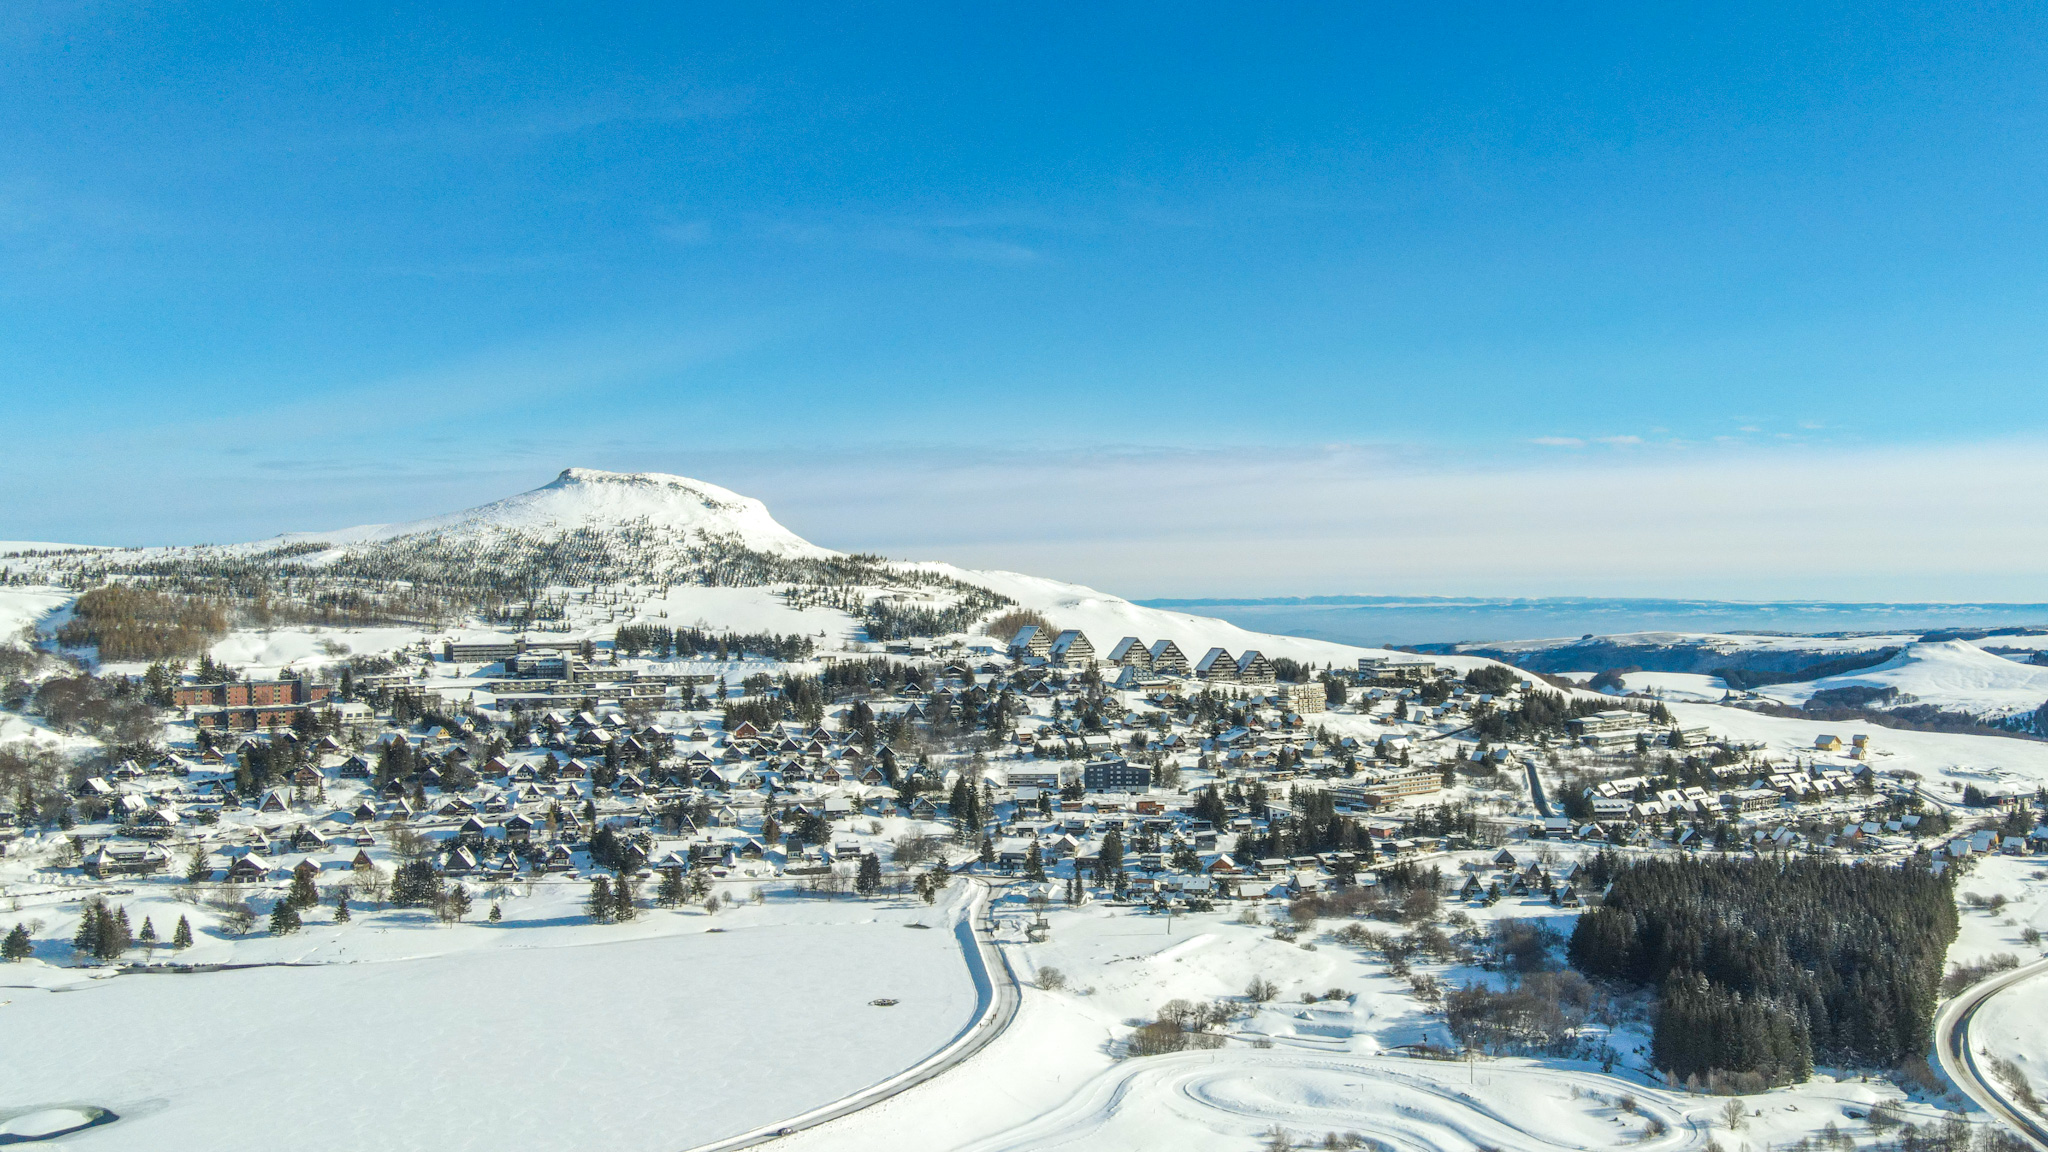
(1735, 303)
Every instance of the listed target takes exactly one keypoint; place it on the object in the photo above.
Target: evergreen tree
(987, 855)
(671, 893)
(1829, 961)
(87, 938)
(497, 914)
(1034, 863)
(17, 946)
(1109, 859)
(199, 869)
(302, 894)
(147, 937)
(455, 903)
(598, 905)
(341, 912)
(284, 919)
(868, 879)
(625, 898)
(115, 935)
(415, 885)
(181, 936)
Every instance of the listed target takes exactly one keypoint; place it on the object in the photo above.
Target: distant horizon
(1397, 599)
(1408, 621)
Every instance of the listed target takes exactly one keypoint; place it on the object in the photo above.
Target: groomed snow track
(995, 987)
(1397, 1104)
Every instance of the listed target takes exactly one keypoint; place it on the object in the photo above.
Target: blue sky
(895, 268)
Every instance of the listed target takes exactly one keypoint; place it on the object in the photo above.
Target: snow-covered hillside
(673, 551)
(1948, 673)
(1722, 642)
(589, 498)
(1106, 618)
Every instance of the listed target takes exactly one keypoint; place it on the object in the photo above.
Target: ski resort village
(626, 818)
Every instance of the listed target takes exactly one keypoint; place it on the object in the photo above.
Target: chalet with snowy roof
(1071, 649)
(1030, 641)
(125, 858)
(248, 869)
(1216, 665)
(1130, 652)
(1254, 669)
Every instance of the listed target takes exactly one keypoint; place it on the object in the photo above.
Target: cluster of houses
(496, 799)
(1631, 798)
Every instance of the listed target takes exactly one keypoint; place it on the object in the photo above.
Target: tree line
(131, 623)
(1763, 966)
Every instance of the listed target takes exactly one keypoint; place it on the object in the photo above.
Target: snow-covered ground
(1948, 673)
(1951, 759)
(586, 497)
(1306, 1069)
(25, 607)
(1718, 641)
(2008, 1029)
(1107, 619)
(540, 1033)
(1688, 686)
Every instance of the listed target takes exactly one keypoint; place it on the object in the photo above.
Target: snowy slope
(1821, 646)
(1949, 673)
(1106, 619)
(23, 607)
(588, 498)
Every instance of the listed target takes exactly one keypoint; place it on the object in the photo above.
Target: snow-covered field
(2009, 1028)
(1948, 673)
(1309, 1070)
(1820, 646)
(1687, 686)
(24, 607)
(542, 1033)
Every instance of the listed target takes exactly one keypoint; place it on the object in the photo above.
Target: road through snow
(1959, 1059)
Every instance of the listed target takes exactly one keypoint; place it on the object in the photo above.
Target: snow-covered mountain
(586, 498)
(675, 550)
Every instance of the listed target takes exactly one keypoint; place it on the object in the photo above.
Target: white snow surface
(1106, 619)
(1691, 686)
(22, 607)
(587, 497)
(542, 1033)
(1950, 673)
(1718, 641)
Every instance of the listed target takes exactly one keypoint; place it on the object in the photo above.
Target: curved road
(1959, 1060)
(995, 987)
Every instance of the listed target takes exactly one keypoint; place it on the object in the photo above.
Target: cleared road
(1959, 1060)
(995, 987)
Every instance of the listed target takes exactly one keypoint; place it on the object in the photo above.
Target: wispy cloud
(1559, 441)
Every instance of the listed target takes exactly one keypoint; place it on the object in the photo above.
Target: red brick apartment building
(249, 694)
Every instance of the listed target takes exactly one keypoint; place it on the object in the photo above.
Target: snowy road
(996, 988)
(1959, 1059)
